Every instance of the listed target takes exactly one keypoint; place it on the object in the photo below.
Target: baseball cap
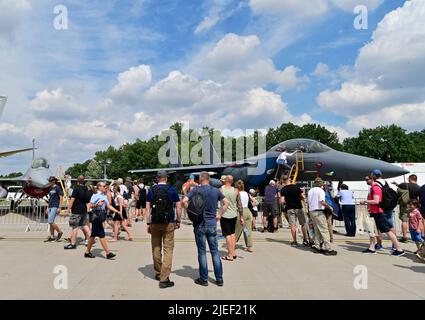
(191, 176)
(161, 174)
(120, 181)
(376, 172)
(52, 178)
(272, 182)
(252, 191)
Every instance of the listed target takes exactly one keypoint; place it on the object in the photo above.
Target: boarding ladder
(297, 166)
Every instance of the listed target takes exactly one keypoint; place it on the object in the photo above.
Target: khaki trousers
(247, 217)
(162, 242)
(321, 230)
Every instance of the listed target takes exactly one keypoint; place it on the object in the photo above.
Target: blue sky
(127, 69)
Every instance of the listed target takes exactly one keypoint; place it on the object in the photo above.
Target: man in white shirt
(316, 205)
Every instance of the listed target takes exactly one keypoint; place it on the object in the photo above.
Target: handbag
(97, 215)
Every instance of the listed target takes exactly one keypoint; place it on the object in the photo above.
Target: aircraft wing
(9, 153)
(17, 179)
(189, 169)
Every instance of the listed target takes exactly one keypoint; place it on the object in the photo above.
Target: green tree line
(388, 143)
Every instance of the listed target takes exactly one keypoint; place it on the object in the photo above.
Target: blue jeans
(203, 234)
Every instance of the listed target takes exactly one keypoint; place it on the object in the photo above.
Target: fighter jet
(35, 181)
(314, 159)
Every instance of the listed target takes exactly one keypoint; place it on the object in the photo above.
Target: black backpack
(160, 204)
(196, 207)
(142, 194)
(389, 197)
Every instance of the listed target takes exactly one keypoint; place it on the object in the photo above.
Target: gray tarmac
(274, 271)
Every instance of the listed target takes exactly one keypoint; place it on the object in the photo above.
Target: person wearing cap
(377, 213)
(188, 186)
(270, 206)
(77, 205)
(376, 175)
(162, 221)
(55, 203)
(316, 204)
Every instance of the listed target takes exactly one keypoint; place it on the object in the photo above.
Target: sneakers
(398, 253)
(379, 247)
(219, 283)
(86, 242)
(166, 284)
(264, 230)
(368, 251)
(59, 236)
(306, 244)
(70, 246)
(330, 253)
(89, 255)
(110, 256)
(294, 244)
(49, 239)
(201, 282)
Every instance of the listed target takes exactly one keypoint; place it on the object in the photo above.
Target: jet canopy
(304, 145)
(40, 163)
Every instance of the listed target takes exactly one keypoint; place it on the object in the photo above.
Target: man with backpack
(201, 204)
(407, 192)
(388, 202)
(161, 220)
(379, 200)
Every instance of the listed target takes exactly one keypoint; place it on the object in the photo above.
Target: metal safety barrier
(29, 215)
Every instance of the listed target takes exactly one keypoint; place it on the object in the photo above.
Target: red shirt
(375, 190)
(414, 219)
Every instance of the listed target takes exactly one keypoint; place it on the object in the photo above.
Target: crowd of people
(92, 209)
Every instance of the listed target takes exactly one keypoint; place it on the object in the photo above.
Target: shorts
(416, 236)
(293, 214)
(381, 222)
(389, 215)
(78, 220)
(117, 217)
(254, 213)
(228, 226)
(404, 215)
(52, 215)
(97, 230)
(269, 209)
(141, 204)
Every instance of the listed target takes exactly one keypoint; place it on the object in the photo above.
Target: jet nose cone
(392, 170)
